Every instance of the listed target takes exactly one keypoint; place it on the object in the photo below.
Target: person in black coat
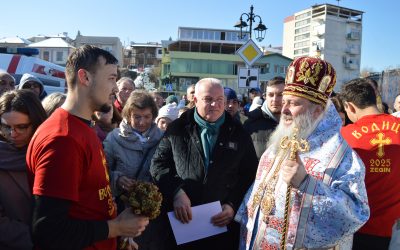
(262, 121)
(205, 156)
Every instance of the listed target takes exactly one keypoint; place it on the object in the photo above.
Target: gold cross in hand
(294, 145)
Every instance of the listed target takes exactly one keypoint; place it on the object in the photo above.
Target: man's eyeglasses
(209, 100)
(19, 129)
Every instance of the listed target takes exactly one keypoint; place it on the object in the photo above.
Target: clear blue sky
(156, 20)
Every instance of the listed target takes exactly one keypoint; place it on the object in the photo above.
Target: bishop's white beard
(305, 123)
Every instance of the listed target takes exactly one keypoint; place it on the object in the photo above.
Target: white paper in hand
(200, 226)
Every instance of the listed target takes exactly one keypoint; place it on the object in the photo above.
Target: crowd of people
(298, 167)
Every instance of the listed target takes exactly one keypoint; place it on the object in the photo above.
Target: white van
(52, 75)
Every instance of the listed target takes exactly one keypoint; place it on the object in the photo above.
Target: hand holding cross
(293, 169)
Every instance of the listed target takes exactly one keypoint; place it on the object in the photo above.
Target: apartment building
(332, 32)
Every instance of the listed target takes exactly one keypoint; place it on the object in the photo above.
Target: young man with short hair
(67, 170)
(375, 137)
(262, 121)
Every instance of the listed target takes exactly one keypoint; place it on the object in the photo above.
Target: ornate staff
(294, 146)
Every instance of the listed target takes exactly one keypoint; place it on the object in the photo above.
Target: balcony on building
(353, 50)
(350, 15)
(351, 65)
(319, 32)
(208, 40)
(354, 35)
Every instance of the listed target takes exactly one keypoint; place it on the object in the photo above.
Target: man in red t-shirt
(375, 137)
(67, 170)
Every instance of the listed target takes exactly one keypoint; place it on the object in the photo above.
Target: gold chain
(265, 192)
(286, 218)
(294, 145)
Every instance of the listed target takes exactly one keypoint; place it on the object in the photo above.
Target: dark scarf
(208, 134)
(12, 158)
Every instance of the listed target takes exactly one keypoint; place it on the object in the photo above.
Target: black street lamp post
(251, 17)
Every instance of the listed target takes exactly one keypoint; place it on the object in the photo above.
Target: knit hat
(168, 111)
(230, 94)
(311, 78)
(171, 99)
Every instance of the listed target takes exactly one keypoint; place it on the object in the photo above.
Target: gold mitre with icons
(311, 78)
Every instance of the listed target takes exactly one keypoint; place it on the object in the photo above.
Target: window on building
(204, 67)
(301, 44)
(302, 30)
(301, 37)
(195, 34)
(59, 56)
(185, 34)
(302, 23)
(264, 69)
(304, 15)
(234, 69)
(217, 35)
(231, 36)
(279, 69)
(189, 66)
(199, 34)
(46, 55)
(208, 35)
(222, 35)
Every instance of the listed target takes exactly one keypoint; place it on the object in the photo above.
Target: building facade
(55, 50)
(142, 55)
(271, 65)
(111, 44)
(333, 32)
(389, 85)
(200, 53)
